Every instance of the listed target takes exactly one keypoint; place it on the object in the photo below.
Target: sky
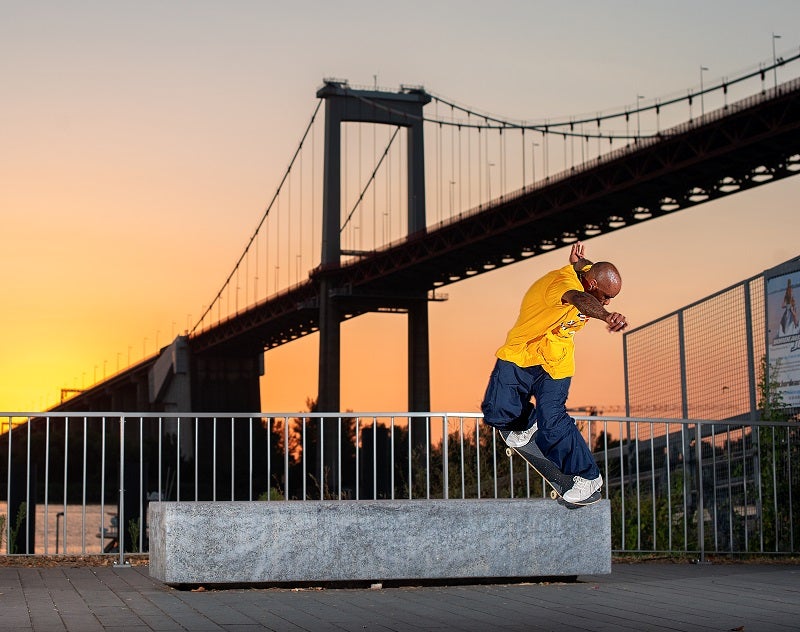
(141, 141)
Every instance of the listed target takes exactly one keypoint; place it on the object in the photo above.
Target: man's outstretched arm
(590, 306)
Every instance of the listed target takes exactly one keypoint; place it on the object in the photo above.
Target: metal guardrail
(80, 483)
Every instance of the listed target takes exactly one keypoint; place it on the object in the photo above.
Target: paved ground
(653, 596)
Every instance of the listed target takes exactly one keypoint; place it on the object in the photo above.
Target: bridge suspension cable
(557, 126)
(264, 216)
(371, 179)
(553, 126)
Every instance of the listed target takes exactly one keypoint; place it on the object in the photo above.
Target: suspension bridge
(394, 194)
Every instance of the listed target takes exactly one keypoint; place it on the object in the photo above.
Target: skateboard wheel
(553, 494)
(509, 452)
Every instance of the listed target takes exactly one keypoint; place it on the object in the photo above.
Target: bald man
(538, 360)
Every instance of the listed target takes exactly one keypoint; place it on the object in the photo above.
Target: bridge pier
(404, 109)
(227, 383)
(419, 370)
(329, 351)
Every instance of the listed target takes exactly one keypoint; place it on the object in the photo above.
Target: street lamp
(533, 161)
(702, 104)
(489, 166)
(775, 59)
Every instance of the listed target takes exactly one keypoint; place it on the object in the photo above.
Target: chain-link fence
(700, 362)
(709, 362)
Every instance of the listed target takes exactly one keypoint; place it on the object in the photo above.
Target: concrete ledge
(329, 541)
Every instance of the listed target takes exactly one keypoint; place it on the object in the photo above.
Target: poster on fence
(783, 330)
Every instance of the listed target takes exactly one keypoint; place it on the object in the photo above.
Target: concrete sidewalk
(652, 596)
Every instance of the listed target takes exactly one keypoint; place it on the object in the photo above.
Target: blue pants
(507, 406)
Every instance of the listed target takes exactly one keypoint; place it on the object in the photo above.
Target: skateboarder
(537, 360)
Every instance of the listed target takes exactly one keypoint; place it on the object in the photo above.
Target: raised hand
(576, 252)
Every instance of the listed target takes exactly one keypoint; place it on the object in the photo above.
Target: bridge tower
(404, 108)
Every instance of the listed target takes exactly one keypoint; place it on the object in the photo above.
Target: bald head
(603, 281)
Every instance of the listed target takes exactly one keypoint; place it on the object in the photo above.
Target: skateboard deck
(558, 481)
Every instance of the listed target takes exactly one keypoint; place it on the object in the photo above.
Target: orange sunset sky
(141, 141)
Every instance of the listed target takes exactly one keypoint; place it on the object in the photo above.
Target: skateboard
(558, 481)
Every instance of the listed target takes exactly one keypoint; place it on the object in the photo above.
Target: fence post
(121, 563)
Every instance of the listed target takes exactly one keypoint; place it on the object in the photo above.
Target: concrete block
(330, 541)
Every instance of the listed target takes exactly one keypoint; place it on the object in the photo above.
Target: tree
(770, 399)
(776, 448)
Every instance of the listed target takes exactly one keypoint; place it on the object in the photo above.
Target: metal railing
(80, 483)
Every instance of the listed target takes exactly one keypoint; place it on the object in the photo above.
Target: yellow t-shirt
(545, 326)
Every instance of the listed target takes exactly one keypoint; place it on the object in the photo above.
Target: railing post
(701, 527)
(445, 464)
(121, 563)
(8, 497)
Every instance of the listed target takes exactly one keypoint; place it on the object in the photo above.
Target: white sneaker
(519, 438)
(583, 488)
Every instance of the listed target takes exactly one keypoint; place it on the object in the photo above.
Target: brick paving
(652, 596)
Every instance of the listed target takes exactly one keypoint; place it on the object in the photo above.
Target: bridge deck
(654, 596)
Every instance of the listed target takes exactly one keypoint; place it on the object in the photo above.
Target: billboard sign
(783, 329)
